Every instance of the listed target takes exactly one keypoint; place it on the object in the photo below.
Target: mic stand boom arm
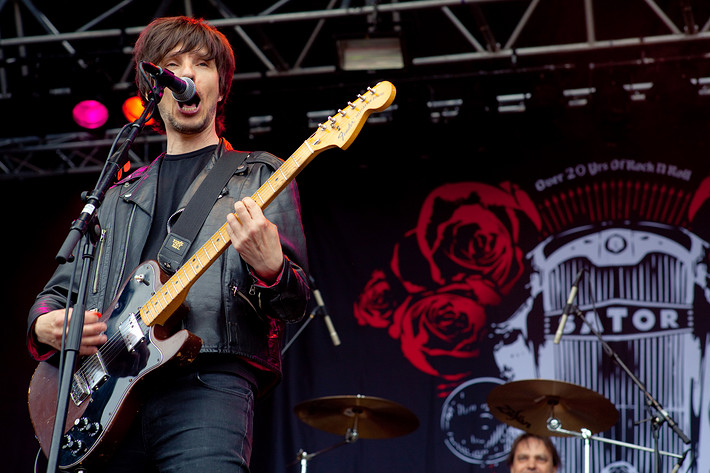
(651, 402)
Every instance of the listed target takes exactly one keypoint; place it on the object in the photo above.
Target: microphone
(321, 305)
(183, 88)
(568, 307)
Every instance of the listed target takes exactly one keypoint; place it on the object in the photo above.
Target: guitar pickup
(89, 378)
(131, 332)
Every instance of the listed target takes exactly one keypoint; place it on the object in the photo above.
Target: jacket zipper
(236, 292)
(125, 249)
(102, 240)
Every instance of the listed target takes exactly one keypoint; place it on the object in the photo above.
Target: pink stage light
(90, 114)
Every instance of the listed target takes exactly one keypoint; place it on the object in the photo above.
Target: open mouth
(190, 105)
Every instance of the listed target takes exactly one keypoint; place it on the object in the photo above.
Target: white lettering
(669, 318)
(644, 320)
(542, 184)
(596, 168)
(616, 314)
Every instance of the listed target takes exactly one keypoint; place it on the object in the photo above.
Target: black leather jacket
(227, 306)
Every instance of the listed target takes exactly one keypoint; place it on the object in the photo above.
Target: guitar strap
(182, 234)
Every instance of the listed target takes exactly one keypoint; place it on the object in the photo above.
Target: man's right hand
(48, 330)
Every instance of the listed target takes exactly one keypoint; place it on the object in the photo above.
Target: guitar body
(104, 397)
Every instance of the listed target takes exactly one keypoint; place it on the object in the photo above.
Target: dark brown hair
(165, 34)
(545, 440)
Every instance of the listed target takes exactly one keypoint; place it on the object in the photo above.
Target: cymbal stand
(652, 404)
(660, 416)
(351, 436)
(554, 425)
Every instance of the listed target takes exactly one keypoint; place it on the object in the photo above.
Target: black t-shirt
(176, 173)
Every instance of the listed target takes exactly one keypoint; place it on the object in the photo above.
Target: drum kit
(555, 408)
(537, 406)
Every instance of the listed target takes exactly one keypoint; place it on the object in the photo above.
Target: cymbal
(372, 417)
(528, 404)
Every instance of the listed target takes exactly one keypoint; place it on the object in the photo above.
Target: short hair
(527, 436)
(163, 35)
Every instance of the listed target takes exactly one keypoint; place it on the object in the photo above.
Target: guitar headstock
(341, 129)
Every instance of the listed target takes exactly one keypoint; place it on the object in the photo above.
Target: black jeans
(199, 421)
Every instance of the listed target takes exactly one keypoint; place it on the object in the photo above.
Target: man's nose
(186, 70)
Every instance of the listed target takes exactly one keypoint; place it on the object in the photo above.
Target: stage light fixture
(443, 111)
(637, 92)
(702, 84)
(579, 97)
(133, 108)
(370, 54)
(512, 103)
(90, 114)
(260, 124)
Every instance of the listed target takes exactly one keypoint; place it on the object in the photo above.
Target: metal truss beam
(471, 33)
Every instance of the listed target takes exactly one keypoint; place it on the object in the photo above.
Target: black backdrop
(357, 207)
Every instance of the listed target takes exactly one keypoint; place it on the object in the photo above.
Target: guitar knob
(74, 446)
(77, 447)
(93, 429)
(83, 425)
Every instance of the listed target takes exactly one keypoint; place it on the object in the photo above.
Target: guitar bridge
(88, 378)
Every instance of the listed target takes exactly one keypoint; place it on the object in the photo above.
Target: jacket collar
(140, 187)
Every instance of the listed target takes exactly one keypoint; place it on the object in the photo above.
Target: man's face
(198, 114)
(531, 455)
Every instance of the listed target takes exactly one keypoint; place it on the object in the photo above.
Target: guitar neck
(161, 305)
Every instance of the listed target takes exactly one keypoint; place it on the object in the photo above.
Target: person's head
(168, 37)
(532, 453)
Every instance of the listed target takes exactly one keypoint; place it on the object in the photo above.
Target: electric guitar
(104, 394)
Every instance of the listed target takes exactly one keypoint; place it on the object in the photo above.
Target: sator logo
(621, 320)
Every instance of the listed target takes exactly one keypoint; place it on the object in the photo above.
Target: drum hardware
(571, 410)
(354, 417)
(586, 435)
(658, 415)
(548, 407)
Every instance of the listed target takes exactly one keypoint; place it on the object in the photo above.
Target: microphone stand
(86, 228)
(660, 415)
(318, 309)
(303, 326)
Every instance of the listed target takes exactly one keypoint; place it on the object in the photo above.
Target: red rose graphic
(462, 257)
(440, 332)
(473, 228)
(375, 306)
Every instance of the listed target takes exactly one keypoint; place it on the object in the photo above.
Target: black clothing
(228, 307)
(176, 173)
